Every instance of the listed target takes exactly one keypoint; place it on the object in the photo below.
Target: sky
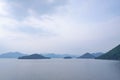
(59, 26)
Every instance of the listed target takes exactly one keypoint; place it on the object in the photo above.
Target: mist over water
(59, 69)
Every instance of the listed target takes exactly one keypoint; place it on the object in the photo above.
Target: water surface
(59, 69)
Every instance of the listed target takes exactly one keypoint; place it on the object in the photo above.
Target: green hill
(113, 54)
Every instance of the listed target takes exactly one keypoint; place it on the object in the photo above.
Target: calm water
(59, 69)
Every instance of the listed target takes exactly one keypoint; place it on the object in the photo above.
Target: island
(68, 57)
(34, 56)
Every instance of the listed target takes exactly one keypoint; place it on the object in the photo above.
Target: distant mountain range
(52, 55)
(97, 54)
(12, 55)
(34, 56)
(113, 54)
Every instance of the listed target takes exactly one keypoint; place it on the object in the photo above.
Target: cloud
(61, 26)
(3, 8)
(20, 9)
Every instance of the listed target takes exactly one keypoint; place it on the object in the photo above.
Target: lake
(59, 69)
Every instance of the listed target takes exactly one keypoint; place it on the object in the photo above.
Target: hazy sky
(59, 26)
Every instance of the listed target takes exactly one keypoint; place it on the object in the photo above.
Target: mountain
(52, 55)
(97, 54)
(113, 54)
(87, 55)
(68, 57)
(34, 56)
(12, 55)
